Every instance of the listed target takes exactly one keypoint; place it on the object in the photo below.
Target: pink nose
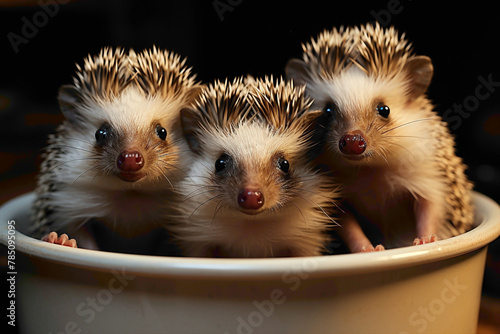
(352, 143)
(250, 199)
(129, 161)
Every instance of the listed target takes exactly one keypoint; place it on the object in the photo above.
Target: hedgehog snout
(129, 162)
(251, 199)
(352, 144)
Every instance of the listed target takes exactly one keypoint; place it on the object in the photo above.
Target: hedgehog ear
(69, 99)
(193, 93)
(297, 70)
(190, 124)
(420, 71)
(317, 127)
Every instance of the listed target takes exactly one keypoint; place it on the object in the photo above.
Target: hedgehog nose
(129, 161)
(352, 143)
(250, 199)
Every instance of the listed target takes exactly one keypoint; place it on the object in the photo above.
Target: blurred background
(41, 41)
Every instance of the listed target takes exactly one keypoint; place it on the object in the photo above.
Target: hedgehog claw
(62, 240)
(370, 248)
(426, 239)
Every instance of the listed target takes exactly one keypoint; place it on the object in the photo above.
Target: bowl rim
(485, 232)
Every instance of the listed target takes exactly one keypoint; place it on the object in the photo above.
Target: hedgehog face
(250, 153)
(372, 88)
(249, 170)
(127, 141)
(370, 120)
(131, 159)
(122, 117)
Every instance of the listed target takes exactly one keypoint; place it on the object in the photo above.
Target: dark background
(255, 37)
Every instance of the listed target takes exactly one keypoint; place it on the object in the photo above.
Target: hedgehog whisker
(203, 203)
(318, 206)
(407, 123)
(317, 194)
(201, 191)
(404, 148)
(218, 207)
(208, 178)
(384, 125)
(88, 170)
(67, 162)
(166, 178)
(172, 166)
(172, 153)
(167, 165)
(81, 140)
(300, 211)
(98, 172)
(370, 125)
(416, 137)
(148, 145)
(73, 147)
(383, 153)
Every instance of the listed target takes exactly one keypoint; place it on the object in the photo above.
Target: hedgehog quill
(116, 156)
(251, 191)
(394, 154)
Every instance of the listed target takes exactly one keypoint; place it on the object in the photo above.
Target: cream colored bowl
(433, 288)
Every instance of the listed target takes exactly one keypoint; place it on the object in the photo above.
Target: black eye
(283, 164)
(102, 134)
(161, 132)
(383, 110)
(222, 162)
(330, 108)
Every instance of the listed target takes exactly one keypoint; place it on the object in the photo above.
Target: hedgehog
(403, 183)
(115, 158)
(251, 190)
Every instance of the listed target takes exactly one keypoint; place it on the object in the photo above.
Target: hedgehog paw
(62, 240)
(370, 248)
(426, 239)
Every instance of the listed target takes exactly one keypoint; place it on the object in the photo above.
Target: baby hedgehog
(250, 191)
(392, 152)
(116, 156)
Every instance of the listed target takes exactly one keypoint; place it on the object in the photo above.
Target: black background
(255, 37)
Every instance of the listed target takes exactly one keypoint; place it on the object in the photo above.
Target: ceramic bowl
(432, 288)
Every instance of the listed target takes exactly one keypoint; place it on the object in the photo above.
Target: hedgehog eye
(222, 162)
(283, 164)
(383, 110)
(161, 132)
(102, 134)
(330, 108)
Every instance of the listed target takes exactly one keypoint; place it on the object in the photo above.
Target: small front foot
(62, 240)
(426, 239)
(370, 248)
